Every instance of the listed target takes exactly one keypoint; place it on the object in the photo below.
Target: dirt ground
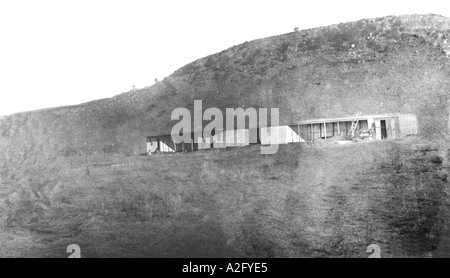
(305, 201)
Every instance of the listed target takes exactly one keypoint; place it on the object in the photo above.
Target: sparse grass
(302, 202)
(64, 180)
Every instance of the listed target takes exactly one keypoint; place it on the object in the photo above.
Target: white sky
(62, 52)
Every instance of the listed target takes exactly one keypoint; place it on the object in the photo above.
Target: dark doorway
(383, 129)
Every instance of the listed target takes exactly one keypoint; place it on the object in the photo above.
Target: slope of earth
(299, 202)
(236, 203)
(391, 64)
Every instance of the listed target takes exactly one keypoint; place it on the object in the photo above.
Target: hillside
(60, 180)
(397, 64)
(298, 202)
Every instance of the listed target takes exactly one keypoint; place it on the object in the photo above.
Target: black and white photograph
(224, 130)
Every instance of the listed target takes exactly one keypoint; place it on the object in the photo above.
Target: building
(235, 138)
(161, 143)
(384, 126)
(165, 144)
(283, 134)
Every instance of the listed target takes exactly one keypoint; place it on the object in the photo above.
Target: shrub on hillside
(281, 51)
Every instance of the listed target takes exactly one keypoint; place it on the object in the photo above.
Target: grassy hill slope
(227, 203)
(72, 174)
(392, 64)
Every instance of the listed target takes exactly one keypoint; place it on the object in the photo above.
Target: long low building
(382, 127)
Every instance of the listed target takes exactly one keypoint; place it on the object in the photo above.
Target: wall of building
(204, 143)
(408, 125)
(280, 135)
(231, 138)
(152, 146)
(160, 143)
(317, 131)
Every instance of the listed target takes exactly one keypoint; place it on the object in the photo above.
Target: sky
(56, 53)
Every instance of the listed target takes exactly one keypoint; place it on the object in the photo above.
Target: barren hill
(65, 176)
(390, 64)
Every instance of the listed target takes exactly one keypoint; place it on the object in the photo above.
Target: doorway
(383, 129)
